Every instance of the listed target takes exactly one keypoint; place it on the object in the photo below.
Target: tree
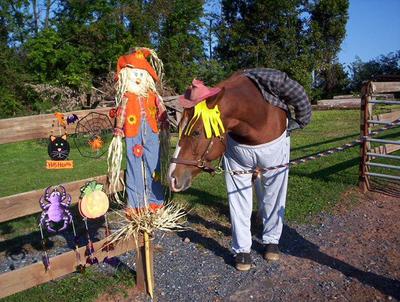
(266, 34)
(331, 81)
(383, 65)
(180, 43)
(281, 34)
(328, 30)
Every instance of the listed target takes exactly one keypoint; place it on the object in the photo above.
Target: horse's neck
(252, 120)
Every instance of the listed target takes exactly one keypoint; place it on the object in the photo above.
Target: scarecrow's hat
(196, 93)
(137, 60)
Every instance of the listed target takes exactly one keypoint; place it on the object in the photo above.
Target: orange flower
(138, 150)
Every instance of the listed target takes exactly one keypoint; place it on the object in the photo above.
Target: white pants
(270, 189)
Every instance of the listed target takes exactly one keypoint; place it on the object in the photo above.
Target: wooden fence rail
(23, 204)
(40, 126)
(35, 274)
(36, 126)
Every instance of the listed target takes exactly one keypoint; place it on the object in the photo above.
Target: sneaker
(243, 261)
(272, 252)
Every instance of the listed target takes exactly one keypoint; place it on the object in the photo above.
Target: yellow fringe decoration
(211, 120)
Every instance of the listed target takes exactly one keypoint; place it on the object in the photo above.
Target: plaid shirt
(281, 91)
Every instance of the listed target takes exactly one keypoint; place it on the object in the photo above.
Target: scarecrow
(141, 115)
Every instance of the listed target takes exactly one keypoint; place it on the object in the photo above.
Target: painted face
(136, 80)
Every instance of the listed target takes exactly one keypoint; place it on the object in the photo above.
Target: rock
(186, 240)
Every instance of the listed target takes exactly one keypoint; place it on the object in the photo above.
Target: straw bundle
(171, 217)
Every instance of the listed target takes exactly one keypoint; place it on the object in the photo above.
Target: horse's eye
(196, 133)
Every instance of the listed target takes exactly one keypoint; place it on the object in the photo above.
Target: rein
(201, 163)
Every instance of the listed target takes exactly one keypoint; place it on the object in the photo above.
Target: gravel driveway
(353, 255)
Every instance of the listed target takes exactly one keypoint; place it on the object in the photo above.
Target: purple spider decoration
(55, 203)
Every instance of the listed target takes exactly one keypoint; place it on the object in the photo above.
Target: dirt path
(353, 255)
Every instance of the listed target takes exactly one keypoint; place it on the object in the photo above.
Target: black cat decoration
(58, 147)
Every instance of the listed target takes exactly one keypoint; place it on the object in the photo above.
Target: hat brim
(188, 103)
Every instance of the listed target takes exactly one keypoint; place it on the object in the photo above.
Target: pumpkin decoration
(93, 201)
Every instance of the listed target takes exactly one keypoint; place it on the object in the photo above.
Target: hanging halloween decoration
(80, 267)
(112, 113)
(58, 148)
(92, 134)
(55, 203)
(89, 252)
(113, 261)
(45, 256)
(61, 120)
(93, 201)
(71, 119)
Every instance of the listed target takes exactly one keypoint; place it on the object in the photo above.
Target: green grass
(313, 187)
(23, 167)
(82, 287)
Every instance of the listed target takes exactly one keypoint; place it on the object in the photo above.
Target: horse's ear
(214, 100)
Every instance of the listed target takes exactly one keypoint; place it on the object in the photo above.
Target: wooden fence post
(365, 115)
(141, 277)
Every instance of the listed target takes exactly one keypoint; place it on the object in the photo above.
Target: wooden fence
(367, 120)
(23, 204)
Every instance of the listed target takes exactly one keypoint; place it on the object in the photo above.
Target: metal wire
(311, 157)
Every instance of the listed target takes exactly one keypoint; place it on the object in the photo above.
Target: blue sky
(373, 29)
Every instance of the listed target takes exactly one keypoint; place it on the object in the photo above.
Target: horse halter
(201, 163)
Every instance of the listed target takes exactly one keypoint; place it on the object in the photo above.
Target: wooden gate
(368, 120)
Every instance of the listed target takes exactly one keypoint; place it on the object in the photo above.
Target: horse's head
(202, 140)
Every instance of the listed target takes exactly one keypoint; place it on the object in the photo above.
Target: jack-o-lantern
(93, 201)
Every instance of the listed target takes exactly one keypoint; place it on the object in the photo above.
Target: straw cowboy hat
(137, 60)
(196, 93)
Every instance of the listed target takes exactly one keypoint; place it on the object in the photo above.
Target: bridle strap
(200, 163)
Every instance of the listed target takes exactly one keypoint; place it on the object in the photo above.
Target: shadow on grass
(292, 243)
(324, 174)
(210, 200)
(325, 142)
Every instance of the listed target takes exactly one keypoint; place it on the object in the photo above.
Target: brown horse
(247, 117)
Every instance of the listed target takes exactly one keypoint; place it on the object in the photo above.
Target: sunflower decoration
(153, 112)
(132, 119)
